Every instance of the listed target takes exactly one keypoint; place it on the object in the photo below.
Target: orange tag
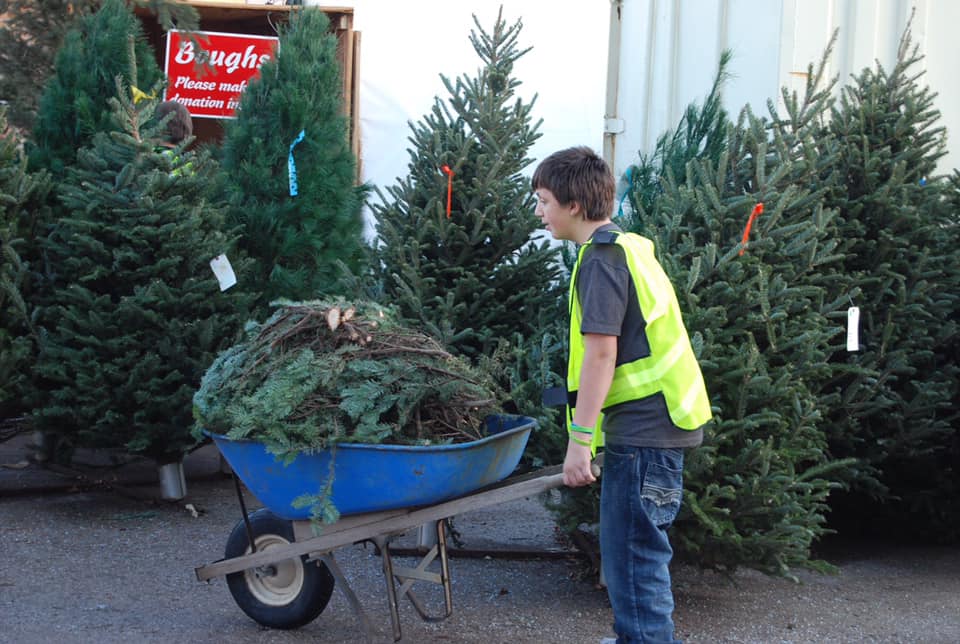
(757, 210)
(446, 170)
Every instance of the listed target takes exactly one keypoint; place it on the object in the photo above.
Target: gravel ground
(95, 566)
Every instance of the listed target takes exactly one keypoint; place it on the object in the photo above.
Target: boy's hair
(578, 174)
(180, 125)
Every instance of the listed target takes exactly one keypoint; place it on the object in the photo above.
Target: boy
(180, 125)
(630, 366)
(178, 129)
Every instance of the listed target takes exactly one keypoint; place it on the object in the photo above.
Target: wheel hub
(277, 584)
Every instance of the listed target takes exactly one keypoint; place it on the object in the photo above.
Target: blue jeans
(640, 496)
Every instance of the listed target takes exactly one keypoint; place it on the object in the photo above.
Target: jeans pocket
(661, 494)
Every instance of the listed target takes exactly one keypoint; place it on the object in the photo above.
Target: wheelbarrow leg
(445, 568)
(384, 548)
(410, 575)
(420, 574)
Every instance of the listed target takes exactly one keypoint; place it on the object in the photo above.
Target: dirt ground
(97, 566)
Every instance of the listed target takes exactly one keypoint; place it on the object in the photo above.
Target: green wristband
(580, 429)
(580, 442)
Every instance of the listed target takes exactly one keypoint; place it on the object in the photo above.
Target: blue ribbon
(291, 166)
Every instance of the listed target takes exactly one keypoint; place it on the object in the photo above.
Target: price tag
(224, 271)
(853, 328)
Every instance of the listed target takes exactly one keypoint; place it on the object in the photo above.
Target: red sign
(208, 80)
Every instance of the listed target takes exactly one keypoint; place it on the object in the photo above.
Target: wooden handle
(597, 465)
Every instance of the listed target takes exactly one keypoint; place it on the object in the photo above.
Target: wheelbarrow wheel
(285, 594)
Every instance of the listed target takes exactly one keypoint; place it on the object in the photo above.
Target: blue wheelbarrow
(285, 579)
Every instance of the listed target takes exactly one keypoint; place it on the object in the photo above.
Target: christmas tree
(74, 105)
(138, 314)
(290, 172)
(21, 197)
(745, 242)
(456, 248)
(898, 234)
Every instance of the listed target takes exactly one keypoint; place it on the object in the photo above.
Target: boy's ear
(575, 209)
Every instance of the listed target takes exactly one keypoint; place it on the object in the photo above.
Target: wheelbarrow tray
(368, 478)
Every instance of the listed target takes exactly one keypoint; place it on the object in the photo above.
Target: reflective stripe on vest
(672, 367)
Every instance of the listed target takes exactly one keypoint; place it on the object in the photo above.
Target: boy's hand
(576, 466)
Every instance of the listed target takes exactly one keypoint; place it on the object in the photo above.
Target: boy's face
(560, 220)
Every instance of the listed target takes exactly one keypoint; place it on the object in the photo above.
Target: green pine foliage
(756, 491)
(74, 105)
(302, 244)
(322, 372)
(476, 277)
(951, 229)
(898, 233)
(138, 315)
(526, 367)
(21, 197)
(949, 356)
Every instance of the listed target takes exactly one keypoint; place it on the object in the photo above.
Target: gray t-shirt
(608, 300)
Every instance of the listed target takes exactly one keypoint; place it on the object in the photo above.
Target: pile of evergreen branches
(318, 373)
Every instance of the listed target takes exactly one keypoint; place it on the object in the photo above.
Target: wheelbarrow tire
(285, 594)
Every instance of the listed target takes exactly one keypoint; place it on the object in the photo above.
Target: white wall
(669, 55)
(671, 49)
(405, 46)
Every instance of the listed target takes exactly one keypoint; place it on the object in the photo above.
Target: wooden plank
(345, 52)
(234, 10)
(354, 100)
(363, 527)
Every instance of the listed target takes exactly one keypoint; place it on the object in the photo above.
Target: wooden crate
(236, 16)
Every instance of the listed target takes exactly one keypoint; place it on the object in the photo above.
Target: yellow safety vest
(180, 167)
(671, 367)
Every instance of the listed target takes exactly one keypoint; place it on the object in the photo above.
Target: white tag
(224, 272)
(853, 328)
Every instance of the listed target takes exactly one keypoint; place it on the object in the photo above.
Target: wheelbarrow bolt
(265, 571)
